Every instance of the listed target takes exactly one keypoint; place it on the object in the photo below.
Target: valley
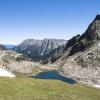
(49, 49)
(52, 68)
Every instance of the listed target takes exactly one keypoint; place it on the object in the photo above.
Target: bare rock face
(93, 31)
(80, 59)
(84, 66)
(38, 49)
(91, 36)
(78, 43)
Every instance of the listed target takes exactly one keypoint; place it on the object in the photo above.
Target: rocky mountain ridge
(79, 43)
(81, 56)
(37, 49)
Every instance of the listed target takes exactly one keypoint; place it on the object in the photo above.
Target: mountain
(9, 46)
(2, 47)
(37, 49)
(80, 59)
(56, 53)
(16, 63)
(53, 55)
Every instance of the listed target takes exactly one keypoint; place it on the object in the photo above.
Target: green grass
(38, 89)
(28, 75)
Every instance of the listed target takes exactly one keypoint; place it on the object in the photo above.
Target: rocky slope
(37, 49)
(16, 63)
(80, 59)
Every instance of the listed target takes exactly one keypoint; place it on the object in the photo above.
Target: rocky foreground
(19, 63)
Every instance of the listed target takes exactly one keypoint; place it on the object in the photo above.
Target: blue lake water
(54, 75)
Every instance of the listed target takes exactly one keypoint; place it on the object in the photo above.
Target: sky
(39, 19)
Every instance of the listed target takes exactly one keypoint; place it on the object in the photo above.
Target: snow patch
(5, 73)
(98, 44)
(97, 86)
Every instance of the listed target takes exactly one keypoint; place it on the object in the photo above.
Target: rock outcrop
(16, 63)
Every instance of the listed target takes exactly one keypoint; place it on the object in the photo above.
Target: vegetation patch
(39, 89)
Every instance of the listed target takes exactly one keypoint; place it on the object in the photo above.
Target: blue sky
(39, 19)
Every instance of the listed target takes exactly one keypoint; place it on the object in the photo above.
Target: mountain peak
(93, 31)
(97, 17)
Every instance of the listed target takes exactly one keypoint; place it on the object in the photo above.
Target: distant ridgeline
(38, 50)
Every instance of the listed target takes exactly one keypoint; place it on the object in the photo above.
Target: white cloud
(10, 42)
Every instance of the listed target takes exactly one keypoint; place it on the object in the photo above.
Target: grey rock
(38, 49)
(80, 59)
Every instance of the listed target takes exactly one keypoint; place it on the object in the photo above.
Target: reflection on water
(54, 75)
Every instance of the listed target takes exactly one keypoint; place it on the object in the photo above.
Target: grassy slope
(37, 89)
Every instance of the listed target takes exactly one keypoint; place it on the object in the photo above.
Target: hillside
(17, 63)
(81, 57)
